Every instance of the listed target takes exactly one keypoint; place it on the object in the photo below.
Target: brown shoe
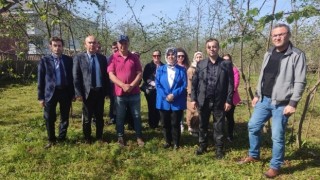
(271, 173)
(140, 142)
(121, 142)
(247, 160)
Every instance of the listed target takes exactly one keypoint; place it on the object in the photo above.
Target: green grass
(23, 136)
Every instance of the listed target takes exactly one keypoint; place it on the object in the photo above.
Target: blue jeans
(122, 102)
(262, 112)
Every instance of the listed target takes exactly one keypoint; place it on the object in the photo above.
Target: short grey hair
(282, 25)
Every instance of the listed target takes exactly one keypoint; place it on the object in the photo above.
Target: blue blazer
(82, 75)
(47, 78)
(178, 89)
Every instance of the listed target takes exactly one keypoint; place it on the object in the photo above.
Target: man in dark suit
(91, 86)
(55, 85)
(212, 91)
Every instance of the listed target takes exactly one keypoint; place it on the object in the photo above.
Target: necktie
(93, 72)
(62, 73)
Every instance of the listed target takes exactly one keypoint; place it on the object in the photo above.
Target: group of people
(204, 87)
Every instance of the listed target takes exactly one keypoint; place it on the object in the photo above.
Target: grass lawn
(23, 136)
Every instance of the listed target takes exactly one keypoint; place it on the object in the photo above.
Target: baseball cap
(123, 38)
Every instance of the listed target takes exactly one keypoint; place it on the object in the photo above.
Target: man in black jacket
(55, 85)
(212, 91)
(91, 84)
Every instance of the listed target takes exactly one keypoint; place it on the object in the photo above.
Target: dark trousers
(230, 121)
(112, 112)
(218, 123)
(153, 113)
(93, 105)
(171, 125)
(60, 96)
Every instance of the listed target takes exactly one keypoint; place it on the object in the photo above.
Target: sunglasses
(180, 56)
(156, 55)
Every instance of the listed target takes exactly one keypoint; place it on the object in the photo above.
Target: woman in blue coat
(171, 100)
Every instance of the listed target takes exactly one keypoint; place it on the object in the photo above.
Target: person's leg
(261, 114)
(279, 124)
(188, 119)
(135, 107)
(150, 113)
(65, 104)
(166, 119)
(98, 113)
(87, 112)
(230, 121)
(153, 113)
(112, 113)
(203, 124)
(218, 128)
(175, 127)
(50, 117)
(121, 106)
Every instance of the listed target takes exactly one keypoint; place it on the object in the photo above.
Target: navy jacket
(47, 79)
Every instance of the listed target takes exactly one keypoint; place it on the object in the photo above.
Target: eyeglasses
(170, 54)
(180, 56)
(156, 55)
(212, 47)
(280, 35)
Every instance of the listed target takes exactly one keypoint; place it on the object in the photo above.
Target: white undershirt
(171, 75)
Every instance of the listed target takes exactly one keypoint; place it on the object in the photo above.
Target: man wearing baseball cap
(125, 72)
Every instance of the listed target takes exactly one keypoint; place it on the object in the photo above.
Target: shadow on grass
(11, 82)
(6, 123)
(308, 156)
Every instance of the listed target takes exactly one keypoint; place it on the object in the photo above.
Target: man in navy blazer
(212, 92)
(91, 83)
(55, 85)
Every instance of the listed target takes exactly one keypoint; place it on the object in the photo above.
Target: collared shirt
(57, 64)
(98, 72)
(171, 74)
(125, 69)
(212, 71)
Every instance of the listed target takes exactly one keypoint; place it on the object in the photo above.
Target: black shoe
(49, 145)
(200, 150)
(88, 140)
(219, 155)
(61, 139)
(166, 145)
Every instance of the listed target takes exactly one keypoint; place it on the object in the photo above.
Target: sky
(166, 8)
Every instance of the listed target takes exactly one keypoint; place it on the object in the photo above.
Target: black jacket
(224, 85)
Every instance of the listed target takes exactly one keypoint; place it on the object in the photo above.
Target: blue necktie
(93, 72)
(62, 75)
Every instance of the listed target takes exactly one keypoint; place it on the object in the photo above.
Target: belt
(96, 89)
(61, 87)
